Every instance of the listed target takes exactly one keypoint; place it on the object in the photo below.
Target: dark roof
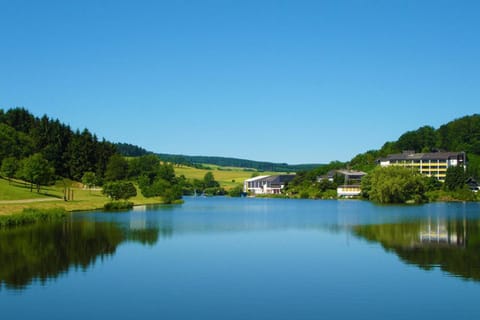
(344, 172)
(279, 179)
(352, 173)
(424, 156)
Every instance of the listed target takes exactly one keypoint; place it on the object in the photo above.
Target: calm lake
(222, 258)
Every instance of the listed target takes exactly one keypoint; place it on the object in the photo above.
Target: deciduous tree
(36, 170)
(117, 190)
(9, 168)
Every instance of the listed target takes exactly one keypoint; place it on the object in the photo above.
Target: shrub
(119, 190)
(237, 191)
(118, 205)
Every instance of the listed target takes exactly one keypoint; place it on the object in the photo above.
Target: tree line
(70, 153)
(462, 134)
(42, 150)
(234, 162)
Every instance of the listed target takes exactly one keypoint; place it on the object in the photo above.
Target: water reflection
(437, 235)
(44, 251)
(450, 244)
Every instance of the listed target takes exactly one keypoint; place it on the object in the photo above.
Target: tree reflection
(452, 245)
(44, 251)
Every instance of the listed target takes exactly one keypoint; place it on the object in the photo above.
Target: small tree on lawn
(37, 171)
(9, 168)
(89, 179)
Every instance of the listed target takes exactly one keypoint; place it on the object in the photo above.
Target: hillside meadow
(228, 177)
(15, 196)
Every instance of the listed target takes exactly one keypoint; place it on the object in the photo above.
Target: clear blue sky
(285, 81)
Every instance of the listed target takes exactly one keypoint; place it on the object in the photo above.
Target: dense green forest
(70, 153)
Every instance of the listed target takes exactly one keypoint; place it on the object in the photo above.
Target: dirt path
(29, 200)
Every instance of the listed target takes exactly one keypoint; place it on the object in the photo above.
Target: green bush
(394, 185)
(118, 205)
(463, 194)
(119, 190)
(237, 191)
(214, 191)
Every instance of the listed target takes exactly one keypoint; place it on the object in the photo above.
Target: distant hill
(234, 162)
(130, 150)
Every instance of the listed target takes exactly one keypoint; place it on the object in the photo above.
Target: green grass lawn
(82, 199)
(16, 190)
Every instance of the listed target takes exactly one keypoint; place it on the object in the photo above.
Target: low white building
(267, 184)
(349, 191)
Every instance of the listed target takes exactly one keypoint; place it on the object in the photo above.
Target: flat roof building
(432, 164)
(267, 184)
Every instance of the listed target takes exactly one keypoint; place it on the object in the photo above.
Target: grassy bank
(16, 197)
(30, 216)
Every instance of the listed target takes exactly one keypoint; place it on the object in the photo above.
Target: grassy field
(16, 191)
(227, 177)
(16, 197)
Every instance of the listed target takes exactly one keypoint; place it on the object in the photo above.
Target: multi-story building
(434, 164)
(267, 184)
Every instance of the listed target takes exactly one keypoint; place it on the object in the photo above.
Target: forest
(71, 153)
(43, 150)
(461, 134)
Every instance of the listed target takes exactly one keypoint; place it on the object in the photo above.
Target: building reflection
(452, 245)
(440, 232)
(138, 219)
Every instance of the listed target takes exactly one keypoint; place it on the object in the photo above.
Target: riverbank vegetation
(30, 216)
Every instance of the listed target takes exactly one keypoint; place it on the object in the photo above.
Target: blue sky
(284, 81)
